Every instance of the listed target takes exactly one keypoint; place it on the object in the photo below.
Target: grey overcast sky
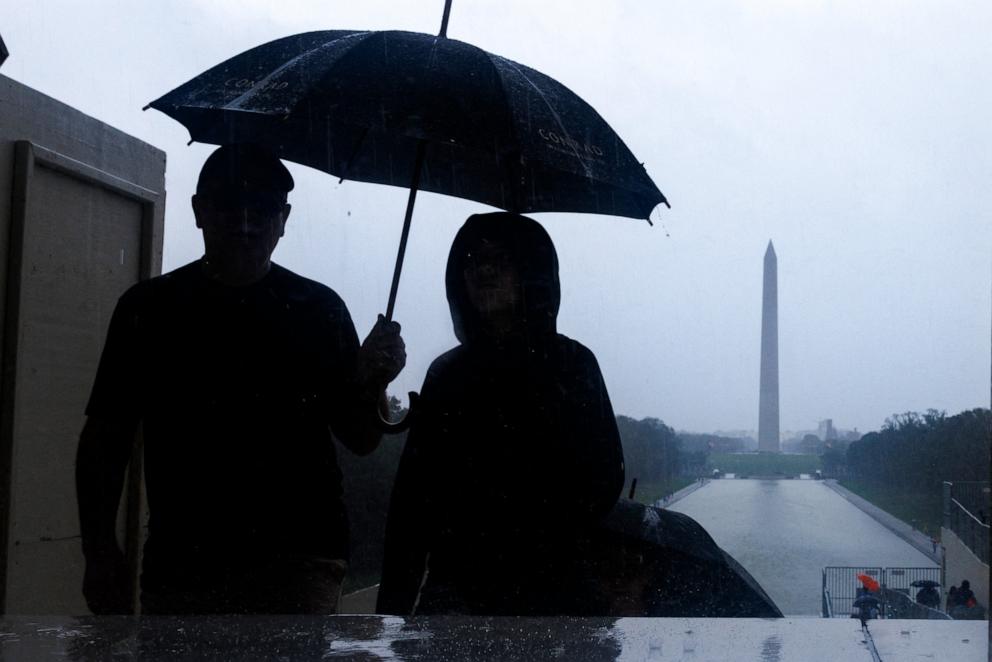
(855, 135)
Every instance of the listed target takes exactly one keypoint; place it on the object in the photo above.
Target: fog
(855, 136)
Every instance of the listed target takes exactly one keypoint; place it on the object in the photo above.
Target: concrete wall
(960, 563)
(81, 219)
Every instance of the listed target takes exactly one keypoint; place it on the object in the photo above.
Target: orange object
(870, 583)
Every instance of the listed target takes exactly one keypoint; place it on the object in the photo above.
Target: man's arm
(101, 463)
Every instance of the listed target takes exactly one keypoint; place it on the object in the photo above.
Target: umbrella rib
(261, 85)
(351, 157)
(554, 113)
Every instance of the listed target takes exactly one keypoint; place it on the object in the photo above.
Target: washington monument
(768, 438)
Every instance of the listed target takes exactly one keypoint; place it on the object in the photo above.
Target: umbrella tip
(147, 106)
(190, 142)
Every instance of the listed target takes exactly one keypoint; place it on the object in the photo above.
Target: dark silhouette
(963, 605)
(952, 598)
(234, 368)
(515, 453)
(649, 561)
(965, 596)
(866, 606)
(928, 597)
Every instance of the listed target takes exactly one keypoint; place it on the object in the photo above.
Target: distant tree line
(923, 450)
(654, 452)
(651, 449)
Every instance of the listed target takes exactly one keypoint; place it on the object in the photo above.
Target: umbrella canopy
(419, 111)
(359, 105)
(925, 583)
(656, 562)
(870, 583)
(866, 607)
(866, 600)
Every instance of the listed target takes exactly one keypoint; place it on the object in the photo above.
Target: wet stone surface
(462, 638)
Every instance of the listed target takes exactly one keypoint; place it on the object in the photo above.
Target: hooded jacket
(513, 456)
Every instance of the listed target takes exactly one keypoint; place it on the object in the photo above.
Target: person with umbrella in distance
(514, 454)
(237, 371)
(866, 604)
(927, 595)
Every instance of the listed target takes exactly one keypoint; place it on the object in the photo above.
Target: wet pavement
(369, 638)
(784, 532)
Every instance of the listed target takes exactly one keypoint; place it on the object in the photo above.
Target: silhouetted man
(236, 370)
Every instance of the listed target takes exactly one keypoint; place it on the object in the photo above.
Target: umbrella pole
(414, 183)
(387, 426)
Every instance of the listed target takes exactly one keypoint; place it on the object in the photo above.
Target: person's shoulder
(576, 356)
(152, 290)
(573, 348)
(302, 289)
(447, 361)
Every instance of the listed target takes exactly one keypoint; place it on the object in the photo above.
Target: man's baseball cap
(243, 167)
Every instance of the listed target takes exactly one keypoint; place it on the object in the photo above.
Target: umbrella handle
(395, 427)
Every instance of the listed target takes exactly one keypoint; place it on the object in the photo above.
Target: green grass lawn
(763, 464)
(648, 493)
(921, 510)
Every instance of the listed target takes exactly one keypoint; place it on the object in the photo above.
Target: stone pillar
(768, 432)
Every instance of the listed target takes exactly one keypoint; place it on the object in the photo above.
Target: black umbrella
(418, 111)
(654, 562)
(866, 607)
(925, 583)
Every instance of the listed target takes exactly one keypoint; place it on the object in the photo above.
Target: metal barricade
(901, 580)
(841, 584)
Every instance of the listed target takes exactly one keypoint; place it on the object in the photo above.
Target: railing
(900, 605)
(974, 496)
(972, 532)
(966, 513)
(828, 610)
(841, 584)
(901, 579)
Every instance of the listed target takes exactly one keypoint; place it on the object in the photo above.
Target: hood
(530, 246)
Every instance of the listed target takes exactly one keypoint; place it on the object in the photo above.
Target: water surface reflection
(784, 532)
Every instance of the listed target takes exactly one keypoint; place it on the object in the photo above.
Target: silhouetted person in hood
(514, 455)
